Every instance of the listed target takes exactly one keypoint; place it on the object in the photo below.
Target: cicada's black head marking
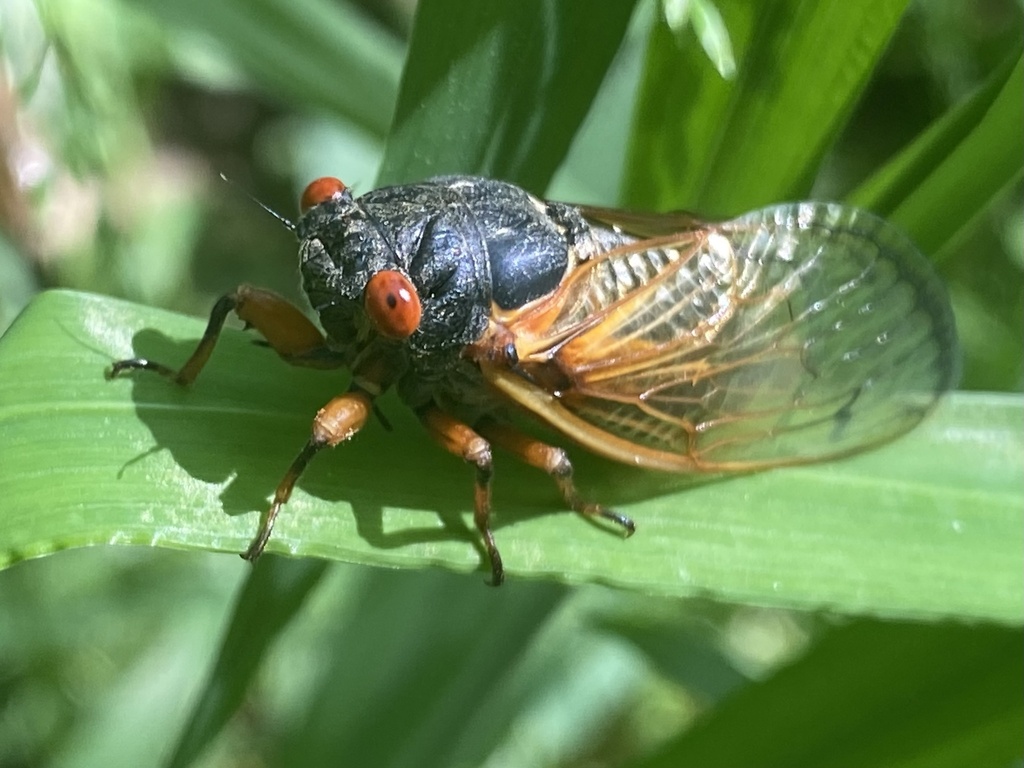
(407, 263)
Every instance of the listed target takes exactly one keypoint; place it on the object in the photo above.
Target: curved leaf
(724, 147)
(947, 177)
(926, 526)
(499, 89)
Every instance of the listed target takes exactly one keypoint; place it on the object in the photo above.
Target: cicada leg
(460, 439)
(555, 463)
(336, 422)
(287, 330)
(298, 341)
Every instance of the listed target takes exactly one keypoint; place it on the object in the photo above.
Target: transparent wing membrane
(792, 334)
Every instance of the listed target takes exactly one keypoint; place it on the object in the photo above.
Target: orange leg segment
(288, 331)
(459, 439)
(336, 422)
(552, 460)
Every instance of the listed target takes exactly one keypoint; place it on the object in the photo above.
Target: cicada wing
(792, 334)
(643, 225)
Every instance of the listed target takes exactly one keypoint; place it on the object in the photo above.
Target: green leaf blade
(927, 526)
(499, 89)
(291, 49)
(721, 148)
(938, 185)
(900, 695)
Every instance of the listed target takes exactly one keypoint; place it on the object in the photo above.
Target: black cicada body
(793, 334)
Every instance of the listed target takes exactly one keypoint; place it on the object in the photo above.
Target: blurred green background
(116, 117)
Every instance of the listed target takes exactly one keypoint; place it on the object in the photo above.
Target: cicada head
(352, 275)
(406, 264)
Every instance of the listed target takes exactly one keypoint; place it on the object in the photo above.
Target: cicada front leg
(287, 330)
(296, 340)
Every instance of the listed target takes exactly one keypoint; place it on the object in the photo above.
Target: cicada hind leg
(461, 440)
(296, 340)
(554, 462)
(474, 446)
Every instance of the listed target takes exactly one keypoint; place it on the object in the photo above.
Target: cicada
(793, 334)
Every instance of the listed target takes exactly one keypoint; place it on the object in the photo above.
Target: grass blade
(927, 526)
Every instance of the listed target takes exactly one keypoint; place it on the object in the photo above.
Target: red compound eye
(319, 191)
(392, 304)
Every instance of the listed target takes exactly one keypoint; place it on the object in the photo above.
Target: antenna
(288, 224)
